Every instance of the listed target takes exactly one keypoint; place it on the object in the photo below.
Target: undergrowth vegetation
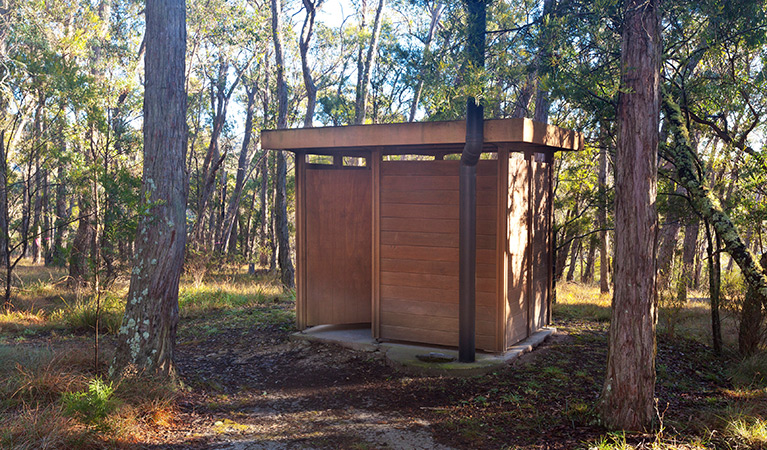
(52, 396)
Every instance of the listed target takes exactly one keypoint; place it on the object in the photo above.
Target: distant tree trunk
(435, 13)
(303, 46)
(543, 63)
(714, 287)
(689, 248)
(287, 273)
(751, 318)
(81, 244)
(667, 241)
(604, 262)
(37, 212)
(588, 271)
(366, 68)
(574, 259)
(242, 168)
(629, 389)
(4, 224)
(47, 238)
(146, 341)
(61, 217)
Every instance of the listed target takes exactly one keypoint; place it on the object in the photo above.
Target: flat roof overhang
(422, 137)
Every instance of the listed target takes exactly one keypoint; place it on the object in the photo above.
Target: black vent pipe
(467, 241)
(467, 232)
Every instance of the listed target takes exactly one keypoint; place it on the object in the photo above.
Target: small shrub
(92, 406)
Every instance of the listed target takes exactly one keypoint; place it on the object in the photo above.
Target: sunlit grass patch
(748, 430)
(21, 320)
(81, 314)
(580, 301)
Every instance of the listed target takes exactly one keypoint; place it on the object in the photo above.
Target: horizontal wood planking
(434, 168)
(432, 267)
(446, 338)
(433, 281)
(435, 323)
(449, 240)
(405, 210)
(484, 256)
(436, 309)
(484, 227)
(435, 197)
(423, 294)
(395, 183)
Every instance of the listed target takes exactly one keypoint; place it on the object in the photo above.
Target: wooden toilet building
(377, 228)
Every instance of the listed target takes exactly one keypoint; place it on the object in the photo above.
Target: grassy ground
(234, 356)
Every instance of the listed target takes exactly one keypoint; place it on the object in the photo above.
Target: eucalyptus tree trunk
(689, 250)
(303, 46)
(627, 398)
(287, 273)
(435, 13)
(366, 68)
(544, 61)
(146, 341)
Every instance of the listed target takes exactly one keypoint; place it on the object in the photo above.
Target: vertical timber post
(467, 246)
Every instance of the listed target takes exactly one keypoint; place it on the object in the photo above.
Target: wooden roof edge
(420, 133)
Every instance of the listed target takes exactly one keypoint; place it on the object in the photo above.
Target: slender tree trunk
(4, 224)
(436, 12)
(573, 260)
(61, 217)
(37, 211)
(242, 168)
(588, 272)
(287, 273)
(714, 287)
(78, 254)
(147, 337)
(604, 264)
(627, 400)
(303, 46)
(363, 80)
(689, 247)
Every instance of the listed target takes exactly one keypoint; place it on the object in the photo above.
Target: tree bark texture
(147, 336)
(287, 272)
(627, 399)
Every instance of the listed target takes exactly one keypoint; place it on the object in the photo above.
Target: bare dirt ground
(253, 388)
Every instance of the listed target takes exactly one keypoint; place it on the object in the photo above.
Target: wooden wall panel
(339, 246)
(419, 252)
(517, 311)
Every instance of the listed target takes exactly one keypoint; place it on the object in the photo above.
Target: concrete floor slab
(405, 356)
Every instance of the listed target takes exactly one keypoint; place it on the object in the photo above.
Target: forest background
(70, 126)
